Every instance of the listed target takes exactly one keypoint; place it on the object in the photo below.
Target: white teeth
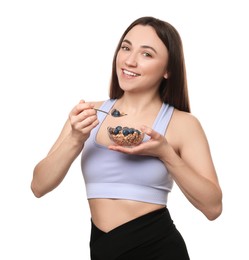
(130, 73)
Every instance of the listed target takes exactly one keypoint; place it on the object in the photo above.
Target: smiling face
(141, 62)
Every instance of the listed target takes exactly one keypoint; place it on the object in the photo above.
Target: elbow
(37, 193)
(213, 212)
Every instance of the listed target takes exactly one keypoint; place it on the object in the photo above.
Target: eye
(146, 54)
(125, 48)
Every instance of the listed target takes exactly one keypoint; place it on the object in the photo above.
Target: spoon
(114, 112)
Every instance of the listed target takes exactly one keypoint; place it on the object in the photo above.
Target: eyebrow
(142, 46)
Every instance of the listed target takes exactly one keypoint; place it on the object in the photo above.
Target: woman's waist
(108, 214)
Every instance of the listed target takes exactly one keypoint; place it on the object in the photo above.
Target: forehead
(141, 35)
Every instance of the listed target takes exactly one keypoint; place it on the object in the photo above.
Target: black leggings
(150, 237)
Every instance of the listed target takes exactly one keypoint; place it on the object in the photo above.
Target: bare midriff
(108, 214)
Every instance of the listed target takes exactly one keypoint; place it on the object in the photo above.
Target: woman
(127, 187)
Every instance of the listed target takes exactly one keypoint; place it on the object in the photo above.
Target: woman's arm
(50, 171)
(192, 166)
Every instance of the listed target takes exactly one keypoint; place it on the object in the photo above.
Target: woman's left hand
(155, 146)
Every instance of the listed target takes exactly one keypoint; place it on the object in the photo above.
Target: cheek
(118, 59)
(156, 71)
(118, 66)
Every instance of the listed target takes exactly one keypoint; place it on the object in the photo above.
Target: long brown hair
(174, 89)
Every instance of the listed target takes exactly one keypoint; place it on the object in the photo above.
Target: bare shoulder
(185, 120)
(184, 128)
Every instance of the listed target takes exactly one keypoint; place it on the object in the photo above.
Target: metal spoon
(114, 112)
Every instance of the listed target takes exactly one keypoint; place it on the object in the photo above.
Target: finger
(81, 106)
(150, 132)
(81, 121)
(119, 148)
(88, 121)
(129, 150)
(86, 128)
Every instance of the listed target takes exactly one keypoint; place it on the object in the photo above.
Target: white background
(54, 53)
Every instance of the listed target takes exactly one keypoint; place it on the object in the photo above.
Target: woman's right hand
(83, 119)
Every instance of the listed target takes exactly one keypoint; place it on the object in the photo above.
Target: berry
(117, 130)
(131, 131)
(115, 113)
(125, 131)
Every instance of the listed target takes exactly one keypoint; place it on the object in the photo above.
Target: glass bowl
(125, 136)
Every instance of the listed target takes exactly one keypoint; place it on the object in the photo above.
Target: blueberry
(125, 132)
(117, 130)
(115, 113)
(131, 130)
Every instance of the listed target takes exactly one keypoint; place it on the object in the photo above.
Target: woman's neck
(131, 104)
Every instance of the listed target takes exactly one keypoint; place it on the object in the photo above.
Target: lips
(130, 73)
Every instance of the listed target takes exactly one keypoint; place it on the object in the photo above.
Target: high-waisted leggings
(152, 236)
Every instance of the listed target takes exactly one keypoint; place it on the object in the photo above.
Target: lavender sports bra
(111, 174)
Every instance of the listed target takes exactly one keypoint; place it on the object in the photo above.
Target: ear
(166, 75)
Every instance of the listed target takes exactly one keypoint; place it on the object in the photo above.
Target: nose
(131, 60)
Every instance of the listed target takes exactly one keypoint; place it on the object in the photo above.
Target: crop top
(112, 174)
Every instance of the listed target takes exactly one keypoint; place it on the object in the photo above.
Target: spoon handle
(101, 111)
